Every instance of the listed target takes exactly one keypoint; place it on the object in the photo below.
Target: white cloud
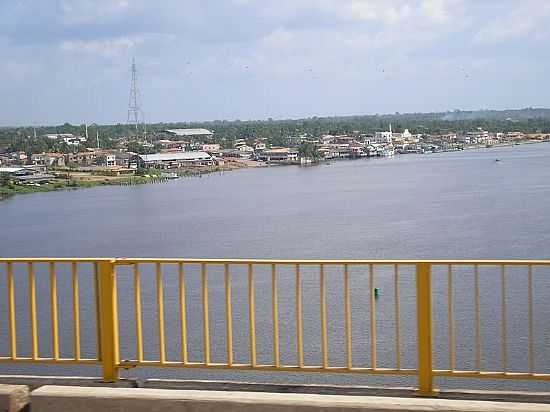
(527, 19)
(15, 70)
(436, 10)
(105, 48)
(375, 10)
(86, 11)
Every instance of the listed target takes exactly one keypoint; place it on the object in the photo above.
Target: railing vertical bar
(109, 320)
(97, 296)
(275, 310)
(299, 317)
(425, 327)
(252, 314)
(397, 317)
(347, 299)
(160, 302)
(139, 314)
(76, 310)
(478, 318)
(504, 324)
(372, 309)
(531, 320)
(183, 313)
(32, 301)
(11, 311)
(323, 301)
(228, 314)
(54, 312)
(205, 314)
(451, 318)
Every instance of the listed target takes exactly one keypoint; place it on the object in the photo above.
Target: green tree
(309, 150)
(5, 179)
(139, 148)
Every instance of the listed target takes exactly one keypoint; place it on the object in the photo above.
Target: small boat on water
(169, 175)
(497, 160)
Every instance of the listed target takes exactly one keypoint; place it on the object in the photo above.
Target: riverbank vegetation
(13, 188)
(69, 179)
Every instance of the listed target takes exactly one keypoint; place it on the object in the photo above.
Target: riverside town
(54, 161)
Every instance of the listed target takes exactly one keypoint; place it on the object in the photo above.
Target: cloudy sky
(69, 60)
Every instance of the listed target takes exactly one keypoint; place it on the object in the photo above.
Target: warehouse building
(190, 133)
(172, 160)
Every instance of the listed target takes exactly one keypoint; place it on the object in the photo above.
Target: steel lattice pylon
(133, 103)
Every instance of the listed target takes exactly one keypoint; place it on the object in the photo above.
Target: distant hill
(276, 130)
(519, 114)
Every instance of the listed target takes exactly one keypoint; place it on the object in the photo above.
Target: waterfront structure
(53, 160)
(514, 135)
(278, 155)
(383, 137)
(211, 148)
(37, 178)
(17, 157)
(243, 148)
(87, 158)
(172, 160)
(478, 136)
(166, 144)
(21, 171)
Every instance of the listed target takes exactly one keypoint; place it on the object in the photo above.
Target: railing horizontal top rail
(132, 260)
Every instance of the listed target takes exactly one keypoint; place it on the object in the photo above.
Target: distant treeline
(527, 120)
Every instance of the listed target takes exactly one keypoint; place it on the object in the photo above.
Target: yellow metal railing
(106, 295)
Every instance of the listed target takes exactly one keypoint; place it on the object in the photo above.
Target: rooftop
(10, 169)
(159, 157)
(190, 132)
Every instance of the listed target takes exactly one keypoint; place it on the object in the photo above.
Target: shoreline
(7, 192)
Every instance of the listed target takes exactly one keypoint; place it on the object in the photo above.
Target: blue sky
(68, 60)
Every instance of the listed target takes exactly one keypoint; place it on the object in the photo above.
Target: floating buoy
(376, 292)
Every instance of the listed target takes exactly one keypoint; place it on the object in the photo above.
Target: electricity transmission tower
(134, 109)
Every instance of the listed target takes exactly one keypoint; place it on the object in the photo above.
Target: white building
(211, 147)
(205, 133)
(172, 160)
(383, 137)
(478, 136)
(327, 138)
(67, 138)
(54, 136)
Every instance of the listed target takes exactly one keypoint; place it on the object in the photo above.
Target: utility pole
(133, 103)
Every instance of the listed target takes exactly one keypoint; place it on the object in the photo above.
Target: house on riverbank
(278, 155)
(171, 160)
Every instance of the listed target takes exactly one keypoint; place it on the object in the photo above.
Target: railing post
(108, 321)
(424, 319)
